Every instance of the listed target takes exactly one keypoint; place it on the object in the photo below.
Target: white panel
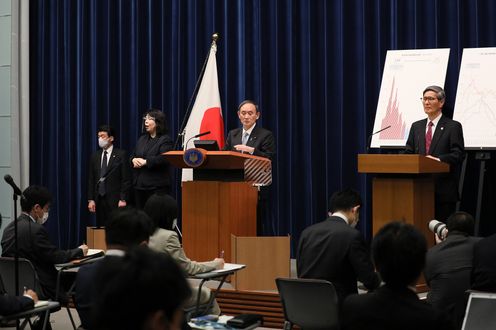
(5, 91)
(5, 8)
(5, 142)
(5, 40)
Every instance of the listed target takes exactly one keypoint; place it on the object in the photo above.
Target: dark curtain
(314, 66)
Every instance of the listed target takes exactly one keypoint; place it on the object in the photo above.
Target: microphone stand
(16, 248)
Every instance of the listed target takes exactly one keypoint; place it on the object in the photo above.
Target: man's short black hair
(33, 195)
(128, 227)
(133, 288)
(107, 129)
(162, 210)
(344, 200)
(461, 222)
(398, 251)
(248, 102)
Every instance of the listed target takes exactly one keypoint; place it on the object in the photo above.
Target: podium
(403, 189)
(220, 201)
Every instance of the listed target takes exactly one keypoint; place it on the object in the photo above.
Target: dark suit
(34, 245)
(85, 295)
(447, 272)
(260, 139)
(13, 304)
(117, 182)
(332, 250)
(484, 268)
(391, 309)
(447, 144)
(154, 176)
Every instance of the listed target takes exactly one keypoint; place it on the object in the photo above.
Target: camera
(438, 228)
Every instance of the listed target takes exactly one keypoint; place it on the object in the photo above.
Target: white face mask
(103, 143)
(43, 219)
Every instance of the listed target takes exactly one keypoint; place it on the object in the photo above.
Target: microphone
(196, 136)
(438, 228)
(369, 140)
(11, 182)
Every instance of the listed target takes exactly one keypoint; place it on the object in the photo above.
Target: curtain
(314, 66)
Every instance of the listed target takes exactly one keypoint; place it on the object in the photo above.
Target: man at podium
(251, 138)
(440, 138)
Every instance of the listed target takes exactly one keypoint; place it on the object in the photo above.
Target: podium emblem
(194, 157)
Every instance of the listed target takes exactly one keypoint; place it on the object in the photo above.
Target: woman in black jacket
(150, 168)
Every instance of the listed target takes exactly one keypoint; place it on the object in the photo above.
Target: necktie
(245, 138)
(428, 137)
(103, 170)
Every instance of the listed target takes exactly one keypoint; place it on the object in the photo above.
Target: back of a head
(344, 200)
(33, 195)
(398, 250)
(127, 227)
(460, 222)
(142, 287)
(162, 210)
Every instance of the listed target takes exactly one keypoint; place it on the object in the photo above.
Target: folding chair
(309, 304)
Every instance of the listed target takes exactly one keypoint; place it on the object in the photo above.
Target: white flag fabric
(206, 114)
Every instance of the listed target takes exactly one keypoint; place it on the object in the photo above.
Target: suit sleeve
(156, 160)
(191, 267)
(50, 253)
(359, 257)
(12, 304)
(410, 147)
(456, 145)
(267, 148)
(228, 145)
(91, 180)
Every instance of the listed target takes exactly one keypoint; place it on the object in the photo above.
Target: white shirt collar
(340, 215)
(249, 130)
(435, 120)
(109, 150)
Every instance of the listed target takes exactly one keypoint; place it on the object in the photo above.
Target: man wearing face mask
(333, 250)
(33, 240)
(109, 179)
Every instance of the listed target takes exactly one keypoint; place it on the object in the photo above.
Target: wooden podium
(403, 189)
(220, 201)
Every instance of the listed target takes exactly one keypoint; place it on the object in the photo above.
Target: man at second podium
(251, 138)
(440, 138)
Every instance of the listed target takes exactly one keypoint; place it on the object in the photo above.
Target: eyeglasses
(147, 117)
(427, 99)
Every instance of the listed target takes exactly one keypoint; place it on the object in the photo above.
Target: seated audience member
(484, 269)
(34, 243)
(335, 251)
(148, 293)
(398, 251)
(126, 228)
(162, 209)
(12, 304)
(448, 267)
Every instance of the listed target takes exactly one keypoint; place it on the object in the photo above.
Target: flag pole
(182, 131)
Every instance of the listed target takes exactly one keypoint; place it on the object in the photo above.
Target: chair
(309, 304)
(27, 278)
(27, 275)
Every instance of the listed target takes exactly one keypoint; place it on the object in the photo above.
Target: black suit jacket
(85, 294)
(332, 250)
(34, 245)
(484, 268)
(391, 309)
(155, 174)
(447, 144)
(118, 177)
(447, 272)
(260, 139)
(13, 304)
